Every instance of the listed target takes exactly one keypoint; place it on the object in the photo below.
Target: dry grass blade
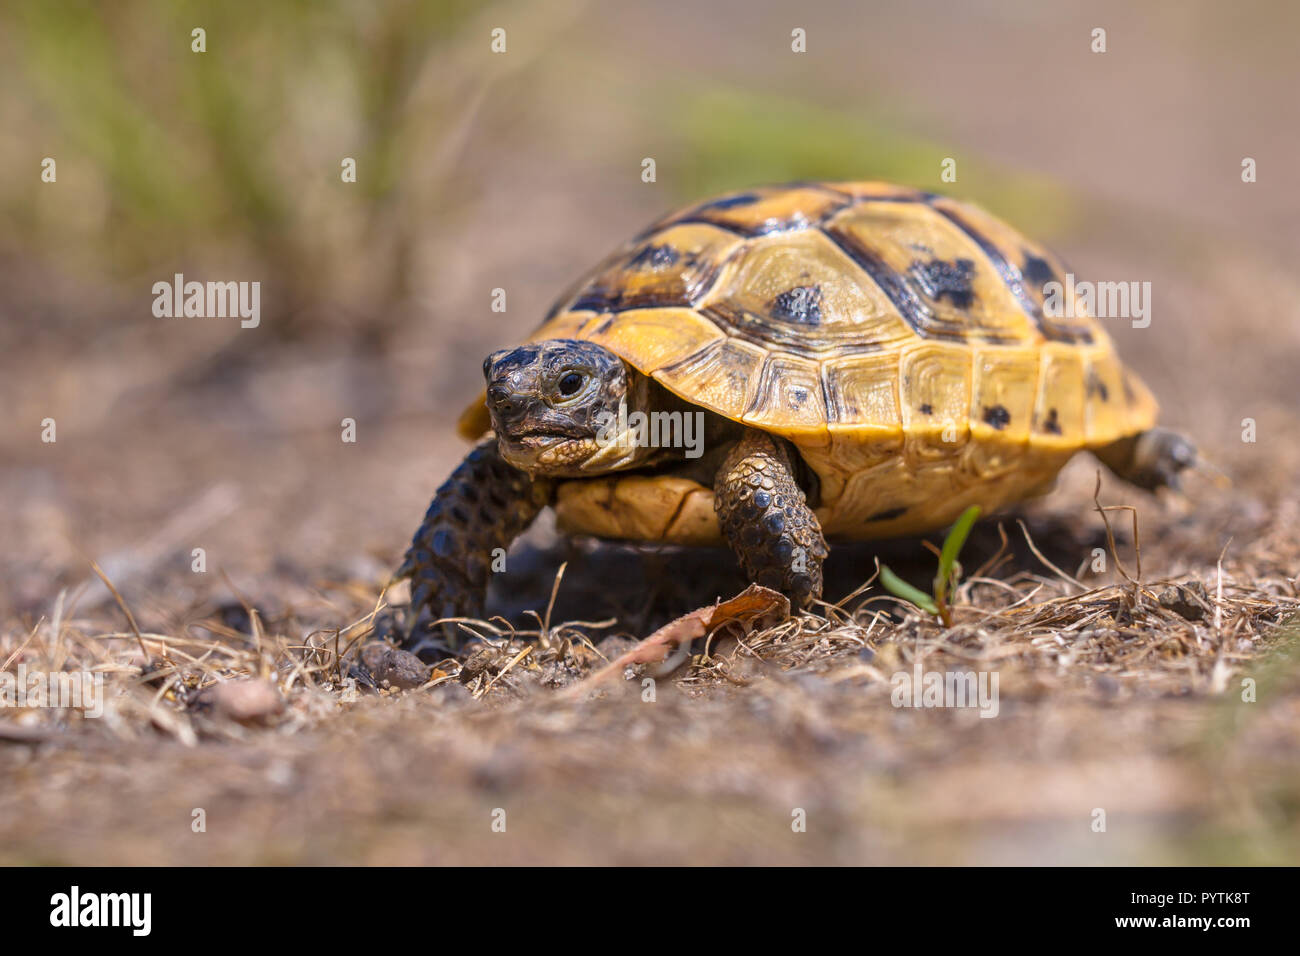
(1110, 536)
(1067, 578)
(130, 618)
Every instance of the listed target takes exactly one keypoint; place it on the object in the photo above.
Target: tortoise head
(555, 407)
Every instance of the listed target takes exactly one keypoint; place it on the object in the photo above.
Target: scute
(1015, 257)
(900, 339)
(723, 376)
(770, 209)
(661, 337)
(789, 398)
(862, 393)
(675, 266)
(935, 390)
(940, 280)
(800, 293)
(1059, 412)
(1004, 390)
(1106, 408)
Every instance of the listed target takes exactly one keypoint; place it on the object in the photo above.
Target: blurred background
(518, 170)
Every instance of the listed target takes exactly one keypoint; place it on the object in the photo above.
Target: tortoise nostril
(502, 401)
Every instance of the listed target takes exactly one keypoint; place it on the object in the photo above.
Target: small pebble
(397, 667)
(1182, 599)
(247, 701)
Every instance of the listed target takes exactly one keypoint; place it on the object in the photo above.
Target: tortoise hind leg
(1151, 459)
(766, 519)
(484, 505)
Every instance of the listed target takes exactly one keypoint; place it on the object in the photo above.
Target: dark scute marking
(997, 416)
(902, 292)
(801, 304)
(909, 306)
(1015, 281)
(697, 275)
(1037, 271)
(731, 202)
(1009, 273)
(1129, 395)
(1053, 424)
(926, 409)
(889, 514)
(940, 278)
(604, 325)
(692, 219)
(790, 337)
(655, 257)
(1097, 387)
(599, 301)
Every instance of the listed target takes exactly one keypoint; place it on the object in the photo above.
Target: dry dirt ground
(1173, 711)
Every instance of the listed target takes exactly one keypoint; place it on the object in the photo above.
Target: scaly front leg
(483, 506)
(766, 519)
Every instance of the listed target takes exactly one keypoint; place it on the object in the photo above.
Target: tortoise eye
(570, 383)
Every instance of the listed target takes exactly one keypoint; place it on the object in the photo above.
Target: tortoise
(811, 361)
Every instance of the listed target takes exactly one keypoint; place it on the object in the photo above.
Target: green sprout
(945, 580)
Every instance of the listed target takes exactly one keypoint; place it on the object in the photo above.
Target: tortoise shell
(897, 338)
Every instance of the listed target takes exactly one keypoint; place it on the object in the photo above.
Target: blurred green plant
(946, 578)
(231, 158)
